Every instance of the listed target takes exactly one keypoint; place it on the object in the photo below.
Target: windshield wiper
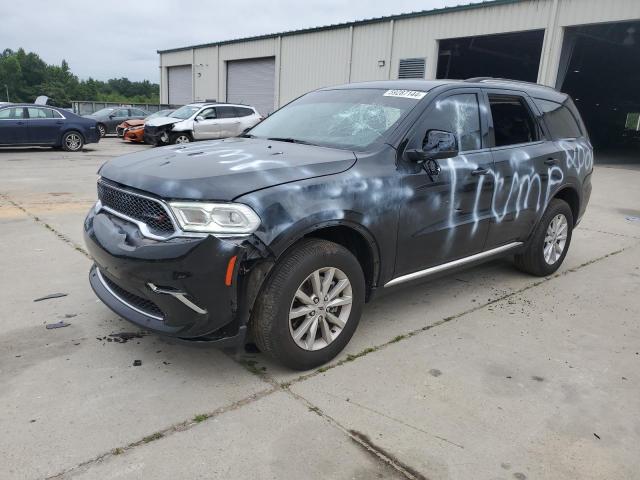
(246, 135)
(290, 140)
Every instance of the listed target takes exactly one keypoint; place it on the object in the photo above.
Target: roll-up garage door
(180, 85)
(252, 82)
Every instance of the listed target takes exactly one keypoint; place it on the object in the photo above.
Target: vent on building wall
(411, 68)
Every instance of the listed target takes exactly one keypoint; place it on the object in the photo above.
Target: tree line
(25, 76)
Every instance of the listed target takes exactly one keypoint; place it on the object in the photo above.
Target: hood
(159, 121)
(132, 123)
(223, 169)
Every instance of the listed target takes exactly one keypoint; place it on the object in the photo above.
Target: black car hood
(223, 169)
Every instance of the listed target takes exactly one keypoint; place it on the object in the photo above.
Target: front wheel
(102, 130)
(310, 306)
(72, 142)
(178, 138)
(550, 241)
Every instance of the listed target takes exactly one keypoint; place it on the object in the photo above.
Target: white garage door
(180, 85)
(252, 82)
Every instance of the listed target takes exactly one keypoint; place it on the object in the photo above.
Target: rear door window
(559, 120)
(513, 122)
(40, 113)
(226, 112)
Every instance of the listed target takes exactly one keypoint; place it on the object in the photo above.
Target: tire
(72, 141)
(270, 325)
(181, 137)
(102, 130)
(539, 258)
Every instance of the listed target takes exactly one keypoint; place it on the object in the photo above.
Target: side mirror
(439, 144)
(198, 118)
(111, 116)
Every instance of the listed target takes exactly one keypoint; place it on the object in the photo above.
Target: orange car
(133, 130)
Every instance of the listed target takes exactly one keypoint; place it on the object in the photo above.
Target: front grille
(147, 306)
(146, 210)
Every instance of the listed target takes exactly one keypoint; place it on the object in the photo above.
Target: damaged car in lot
(282, 234)
(133, 130)
(201, 121)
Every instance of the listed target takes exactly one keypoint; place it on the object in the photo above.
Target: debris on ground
(59, 324)
(122, 337)
(632, 218)
(137, 363)
(70, 315)
(50, 296)
(597, 436)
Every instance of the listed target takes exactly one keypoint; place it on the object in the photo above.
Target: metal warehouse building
(587, 48)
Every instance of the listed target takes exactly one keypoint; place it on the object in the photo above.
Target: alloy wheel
(73, 141)
(320, 308)
(555, 239)
(182, 139)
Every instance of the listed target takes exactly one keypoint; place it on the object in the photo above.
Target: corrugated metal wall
(310, 60)
(313, 60)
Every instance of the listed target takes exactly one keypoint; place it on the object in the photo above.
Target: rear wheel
(178, 138)
(550, 241)
(310, 306)
(72, 142)
(102, 130)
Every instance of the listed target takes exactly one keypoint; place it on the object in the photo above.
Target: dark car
(109, 118)
(286, 231)
(40, 125)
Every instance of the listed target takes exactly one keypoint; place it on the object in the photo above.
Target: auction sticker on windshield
(415, 94)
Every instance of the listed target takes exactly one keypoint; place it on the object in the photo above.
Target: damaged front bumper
(184, 287)
(157, 135)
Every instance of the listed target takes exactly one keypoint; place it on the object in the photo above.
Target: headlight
(222, 218)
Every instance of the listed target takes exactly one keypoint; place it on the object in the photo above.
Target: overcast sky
(119, 39)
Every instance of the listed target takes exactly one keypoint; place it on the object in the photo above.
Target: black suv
(283, 233)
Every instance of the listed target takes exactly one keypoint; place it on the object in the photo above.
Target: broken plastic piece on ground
(631, 218)
(59, 324)
(137, 363)
(53, 295)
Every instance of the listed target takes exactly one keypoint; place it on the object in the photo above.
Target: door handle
(551, 162)
(479, 171)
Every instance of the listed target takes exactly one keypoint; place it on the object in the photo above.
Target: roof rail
(505, 80)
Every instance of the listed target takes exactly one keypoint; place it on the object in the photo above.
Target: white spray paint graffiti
(525, 187)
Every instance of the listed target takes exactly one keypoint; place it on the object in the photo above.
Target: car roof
(533, 89)
(29, 105)
(218, 104)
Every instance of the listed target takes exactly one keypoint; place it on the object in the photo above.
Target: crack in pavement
(401, 422)
(624, 235)
(37, 220)
(178, 427)
(363, 441)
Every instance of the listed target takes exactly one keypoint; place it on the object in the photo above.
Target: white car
(201, 121)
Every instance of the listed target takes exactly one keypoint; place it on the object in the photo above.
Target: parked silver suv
(201, 121)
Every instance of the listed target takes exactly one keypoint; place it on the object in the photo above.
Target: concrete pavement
(487, 374)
